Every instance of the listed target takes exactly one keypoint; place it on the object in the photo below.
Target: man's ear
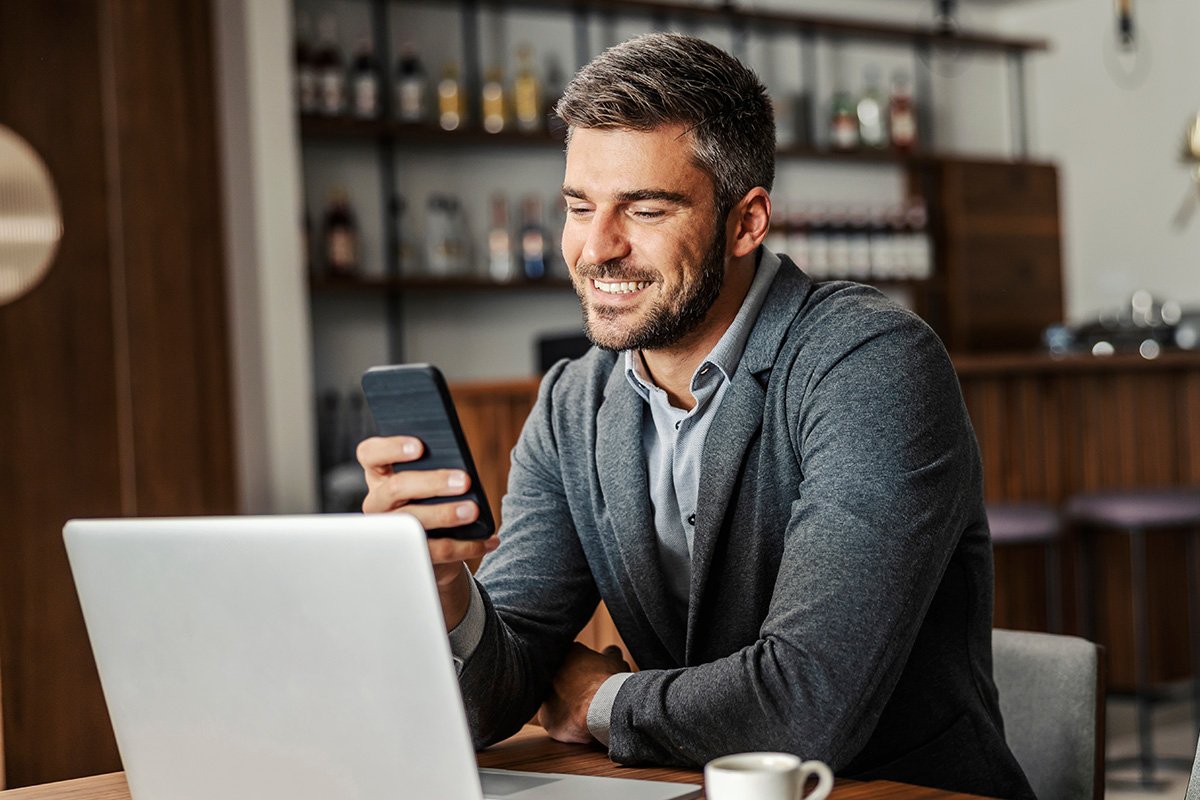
(749, 222)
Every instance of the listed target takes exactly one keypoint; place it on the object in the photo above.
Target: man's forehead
(629, 162)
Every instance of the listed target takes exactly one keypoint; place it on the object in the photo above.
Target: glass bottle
(495, 104)
(306, 69)
(527, 92)
(364, 82)
(872, 129)
(412, 87)
(533, 239)
(902, 115)
(340, 236)
(843, 122)
(450, 99)
(501, 264)
(331, 73)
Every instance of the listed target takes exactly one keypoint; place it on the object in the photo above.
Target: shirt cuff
(465, 637)
(599, 714)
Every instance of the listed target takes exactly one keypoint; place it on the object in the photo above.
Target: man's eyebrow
(635, 195)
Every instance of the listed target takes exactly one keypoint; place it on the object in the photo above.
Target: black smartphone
(413, 400)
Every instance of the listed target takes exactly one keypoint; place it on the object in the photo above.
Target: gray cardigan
(841, 593)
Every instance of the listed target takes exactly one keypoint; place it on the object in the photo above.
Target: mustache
(613, 271)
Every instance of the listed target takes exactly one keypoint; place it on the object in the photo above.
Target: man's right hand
(395, 491)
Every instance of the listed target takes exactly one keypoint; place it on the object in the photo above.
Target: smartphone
(413, 400)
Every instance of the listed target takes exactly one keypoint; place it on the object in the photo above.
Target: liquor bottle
(533, 239)
(412, 87)
(340, 236)
(776, 239)
(306, 70)
(838, 235)
(882, 245)
(407, 250)
(858, 233)
(527, 92)
(843, 123)
(331, 73)
(872, 130)
(818, 244)
(501, 264)
(797, 240)
(450, 99)
(495, 104)
(902, 115)
(446, 237)
(364, 82)
(920, 247)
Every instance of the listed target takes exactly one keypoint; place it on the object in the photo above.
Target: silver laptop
(287, 657)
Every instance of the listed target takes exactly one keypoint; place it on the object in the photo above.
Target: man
(772, 484)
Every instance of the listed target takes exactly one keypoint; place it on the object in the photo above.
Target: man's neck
(671, 368)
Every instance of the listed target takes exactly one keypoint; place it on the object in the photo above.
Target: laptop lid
(273, 657)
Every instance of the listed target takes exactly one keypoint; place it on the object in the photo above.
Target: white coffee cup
(765, 776)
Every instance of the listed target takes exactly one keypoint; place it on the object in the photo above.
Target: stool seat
(1143, 508)
(1020, 523)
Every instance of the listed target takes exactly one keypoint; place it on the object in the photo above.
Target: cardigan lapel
(738, 420)
(624, 481)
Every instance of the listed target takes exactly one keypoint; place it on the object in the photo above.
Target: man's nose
(606, 239)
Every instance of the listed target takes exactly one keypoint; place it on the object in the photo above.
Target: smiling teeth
(620, 288)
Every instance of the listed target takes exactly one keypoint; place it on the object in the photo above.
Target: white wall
(268, 297)
(1122, 180)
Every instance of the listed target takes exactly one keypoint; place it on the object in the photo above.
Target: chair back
(1052, 698)
(1193, 790)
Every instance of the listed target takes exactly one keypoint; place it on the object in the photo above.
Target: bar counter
(1048, 427)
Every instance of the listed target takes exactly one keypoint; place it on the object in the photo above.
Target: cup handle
(824, 779)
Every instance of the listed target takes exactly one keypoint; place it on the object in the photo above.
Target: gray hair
(667, 78)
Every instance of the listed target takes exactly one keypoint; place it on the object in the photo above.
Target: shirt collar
(728, 350)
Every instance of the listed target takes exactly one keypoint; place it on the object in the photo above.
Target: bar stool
(1138, 513)
(1032, 523)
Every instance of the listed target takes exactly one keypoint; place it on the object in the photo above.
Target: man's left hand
(564, 713)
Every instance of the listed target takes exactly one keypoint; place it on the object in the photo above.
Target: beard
(670, 318)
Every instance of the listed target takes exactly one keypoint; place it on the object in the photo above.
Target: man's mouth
(620, 287)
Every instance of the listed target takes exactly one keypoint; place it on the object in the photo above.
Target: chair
(1193, 790)
(1137, 514)
(1052, 698)
(1023, 524)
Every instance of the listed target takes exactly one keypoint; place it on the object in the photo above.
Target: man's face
(642, 239)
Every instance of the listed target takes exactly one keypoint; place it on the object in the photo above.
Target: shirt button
(704, 371)
(691, 519)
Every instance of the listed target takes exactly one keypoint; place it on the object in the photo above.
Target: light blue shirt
(673, 440)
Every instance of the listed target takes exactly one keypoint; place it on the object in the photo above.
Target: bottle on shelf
(902, 114)
(331, 72)
(307, 81)
(446, 245)
(882, 245)
(818, 243)
(872, 126)
(843, 123)
(838, 236)
(364, 82)
(450, 99)
(495, 103)
(797, 238)
(920, 249)
(534, 242)
(776, 239)
(527, 92)
(412, 87)
(502, 266)
(859, 235)
(552, 90)
(407, 250)
(339, 236)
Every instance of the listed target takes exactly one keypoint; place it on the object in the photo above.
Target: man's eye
(578, 211)
(647, 214)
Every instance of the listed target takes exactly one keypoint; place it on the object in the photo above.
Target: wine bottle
(533, 239)
(495, 104)
(364, 82)
(331, 73)
(340, 236)
(527, 92)
(872, 130)
(412, 87)
(843, 122)
(450, 99)
(902, 116)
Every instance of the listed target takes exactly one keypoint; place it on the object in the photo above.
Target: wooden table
(530, 750)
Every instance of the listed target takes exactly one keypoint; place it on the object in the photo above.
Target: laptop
(287, 657)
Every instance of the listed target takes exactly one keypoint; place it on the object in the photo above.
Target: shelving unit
(922, 170)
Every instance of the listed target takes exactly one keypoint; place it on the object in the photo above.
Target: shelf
(373, 284)
(817, 25)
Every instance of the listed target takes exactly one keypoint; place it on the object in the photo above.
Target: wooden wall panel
(113, 372)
